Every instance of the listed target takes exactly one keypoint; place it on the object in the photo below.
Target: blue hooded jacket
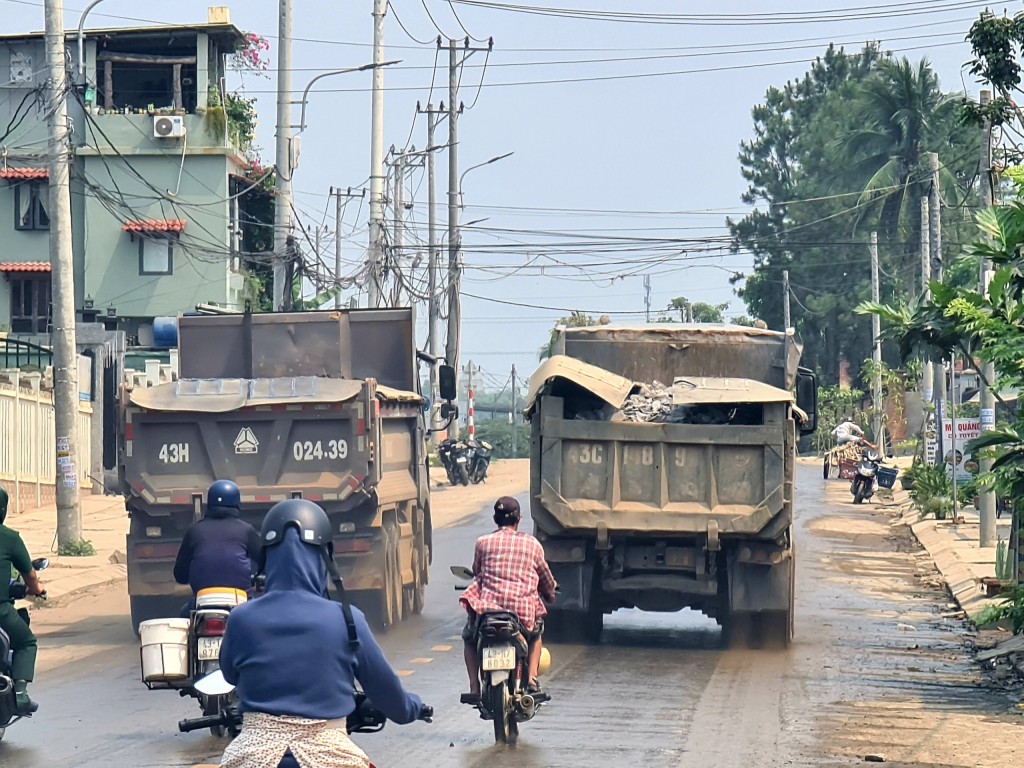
(287, 652)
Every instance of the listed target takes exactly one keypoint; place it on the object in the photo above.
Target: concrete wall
(201, 263)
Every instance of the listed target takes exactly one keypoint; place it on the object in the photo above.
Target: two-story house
(155, 180)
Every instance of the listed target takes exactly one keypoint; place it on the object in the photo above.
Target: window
(30, 303)
(156, 255)
(31, 200)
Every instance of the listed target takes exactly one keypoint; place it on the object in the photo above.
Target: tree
(697, 312)
(815, 168)
(575, 320)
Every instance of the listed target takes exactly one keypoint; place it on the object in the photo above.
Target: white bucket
(164, 650)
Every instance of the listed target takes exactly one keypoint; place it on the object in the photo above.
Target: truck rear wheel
(412, 595)
(583, 627)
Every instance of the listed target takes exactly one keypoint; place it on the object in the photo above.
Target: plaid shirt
(511, 575)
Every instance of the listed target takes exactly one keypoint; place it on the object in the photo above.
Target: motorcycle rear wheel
(858, 495)
(463, 474)
(501, 712)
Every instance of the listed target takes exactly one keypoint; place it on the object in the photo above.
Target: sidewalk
(954, 548)
(104, 524)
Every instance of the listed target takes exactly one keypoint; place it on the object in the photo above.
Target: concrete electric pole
(65, 353)
(515, 419)
(283, 155)
(987, 513)
(935, 249)
(927, 384)
(376, 246)
(786, 317)
(339, 210)
(876, 350)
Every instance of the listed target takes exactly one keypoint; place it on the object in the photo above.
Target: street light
(305, 93)
(81, 44)
(480, 165)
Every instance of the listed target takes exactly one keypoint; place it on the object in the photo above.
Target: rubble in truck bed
(654, 404)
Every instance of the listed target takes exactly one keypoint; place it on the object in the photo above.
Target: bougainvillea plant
(252, 56)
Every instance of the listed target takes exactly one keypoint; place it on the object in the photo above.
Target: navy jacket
(287, 652)
(218, 551)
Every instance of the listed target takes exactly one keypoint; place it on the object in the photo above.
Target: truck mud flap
(755, 588)
(575, 584)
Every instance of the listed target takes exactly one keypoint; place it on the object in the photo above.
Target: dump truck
(662, 466)
(319, 405)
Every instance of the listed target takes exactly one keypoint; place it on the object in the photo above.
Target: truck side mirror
(807, 399)
(449, 411)
(446, 382)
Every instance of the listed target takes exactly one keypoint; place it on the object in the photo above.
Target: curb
(963, 585)
(57, 598)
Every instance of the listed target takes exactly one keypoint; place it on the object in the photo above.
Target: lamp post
(454, 274)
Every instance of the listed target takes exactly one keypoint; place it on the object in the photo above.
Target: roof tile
(25, 266)
(155, 225)
(24, 174)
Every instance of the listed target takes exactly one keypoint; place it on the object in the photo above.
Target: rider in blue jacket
(220, 550)
(295, 655)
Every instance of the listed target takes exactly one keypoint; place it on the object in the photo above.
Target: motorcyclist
(848, 432)
(295, 655)
(220, 550)
(14, 556)
(510, 574)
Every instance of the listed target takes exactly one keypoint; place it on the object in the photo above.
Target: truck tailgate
(270, 450)
(671, 478)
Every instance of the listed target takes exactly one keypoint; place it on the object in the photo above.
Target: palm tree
(902, 114)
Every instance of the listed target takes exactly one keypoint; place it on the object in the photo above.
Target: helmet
(3, 505)
(506, 511)
(223, 493)
(306, 517)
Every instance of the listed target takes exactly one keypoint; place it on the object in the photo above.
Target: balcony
(133, 134)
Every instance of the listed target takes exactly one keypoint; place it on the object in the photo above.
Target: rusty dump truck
(319, 405)
(662, 472)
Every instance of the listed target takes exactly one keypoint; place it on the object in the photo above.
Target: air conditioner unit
(168, 127)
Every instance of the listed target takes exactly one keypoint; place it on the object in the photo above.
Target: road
(875, 669)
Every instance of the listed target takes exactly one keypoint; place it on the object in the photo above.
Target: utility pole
(987, 513)
(876, 354)
(65, 353)
(433, 300)
(454, 308)
(927, 384)
(454, 237)
(515, 420)
(935, 244)
(339, 209)
(283, 169)
(377, 158)
(470, 420)
(786, 317)
(399, 235)
(647, 300)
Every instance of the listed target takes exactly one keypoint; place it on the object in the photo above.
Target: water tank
(165, 332)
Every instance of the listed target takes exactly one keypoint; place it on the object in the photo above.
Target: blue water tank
(165, 332)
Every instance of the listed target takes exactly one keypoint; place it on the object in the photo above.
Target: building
(155, 180)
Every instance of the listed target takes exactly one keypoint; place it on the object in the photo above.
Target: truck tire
(412, 595)
(574, 627)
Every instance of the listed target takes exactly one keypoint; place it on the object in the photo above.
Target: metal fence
(28, 457)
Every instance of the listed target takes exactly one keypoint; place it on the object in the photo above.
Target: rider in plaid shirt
(511, 575)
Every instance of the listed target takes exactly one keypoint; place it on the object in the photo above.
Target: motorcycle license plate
(208, 648)
(499, 657)
(461, 460)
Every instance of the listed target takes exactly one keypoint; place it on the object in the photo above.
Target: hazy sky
(647, 158)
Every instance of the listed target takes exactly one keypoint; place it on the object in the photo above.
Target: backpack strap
(346, 609)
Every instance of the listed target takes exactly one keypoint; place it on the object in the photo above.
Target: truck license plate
(208, 648)
(499, 657)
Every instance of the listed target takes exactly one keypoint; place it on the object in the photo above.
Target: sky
(625, 131)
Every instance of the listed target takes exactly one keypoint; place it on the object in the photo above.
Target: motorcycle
(863, 485)
(459, 454)
(8, 700)
(206, 625)
(365, 718)
(502, 650)
(479, 461)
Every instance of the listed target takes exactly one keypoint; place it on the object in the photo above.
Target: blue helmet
(223, 494)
